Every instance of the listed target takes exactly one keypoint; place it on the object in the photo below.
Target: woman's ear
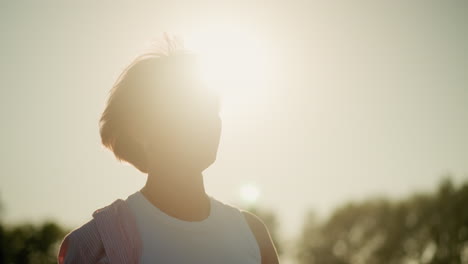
(139, 135)
(140, 138)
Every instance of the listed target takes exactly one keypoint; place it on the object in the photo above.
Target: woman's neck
(179, 195)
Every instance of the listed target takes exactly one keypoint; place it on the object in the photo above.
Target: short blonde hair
(125, 109)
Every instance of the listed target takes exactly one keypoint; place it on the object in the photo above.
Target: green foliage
(425, 228)
(29, 243)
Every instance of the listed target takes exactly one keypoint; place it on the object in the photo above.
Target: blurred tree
(424, 228)
(28, 243)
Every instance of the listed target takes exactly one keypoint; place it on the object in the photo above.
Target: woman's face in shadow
(185, 128)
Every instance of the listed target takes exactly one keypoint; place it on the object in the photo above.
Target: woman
(161, 118)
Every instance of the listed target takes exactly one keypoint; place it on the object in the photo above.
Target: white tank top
(223, 237)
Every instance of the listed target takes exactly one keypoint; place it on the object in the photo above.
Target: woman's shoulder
(81, 245)
(262, 236)
(84, 244)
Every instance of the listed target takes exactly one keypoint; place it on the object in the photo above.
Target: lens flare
(249, 193)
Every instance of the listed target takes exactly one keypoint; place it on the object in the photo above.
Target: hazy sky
(360, 98)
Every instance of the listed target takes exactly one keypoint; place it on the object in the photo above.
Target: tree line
(426, 227)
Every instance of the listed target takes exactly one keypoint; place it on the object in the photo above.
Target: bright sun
(235, 62)
(249, 193)
(230, 54)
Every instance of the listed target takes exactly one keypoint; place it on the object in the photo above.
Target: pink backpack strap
(119, 234)
(82, 245)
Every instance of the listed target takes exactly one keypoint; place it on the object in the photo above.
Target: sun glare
(229, 54)
(234, 61)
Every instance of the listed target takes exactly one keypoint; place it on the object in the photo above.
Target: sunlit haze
(324, 102)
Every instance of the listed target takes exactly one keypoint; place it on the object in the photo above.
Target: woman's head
(160, 115)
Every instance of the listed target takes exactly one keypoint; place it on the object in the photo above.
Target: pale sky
(360, 99)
